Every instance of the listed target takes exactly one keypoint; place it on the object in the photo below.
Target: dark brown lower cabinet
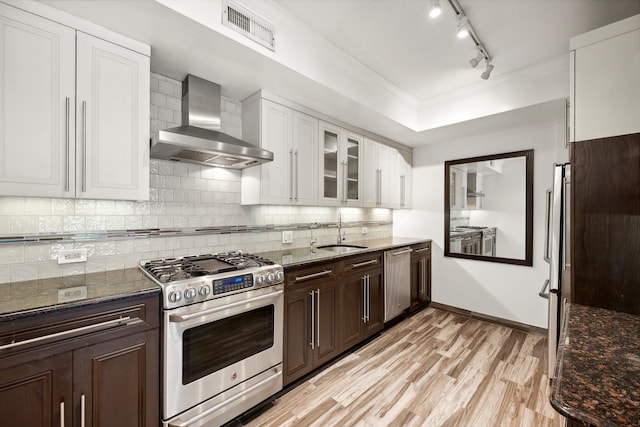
(420, 276)
(310, 322)
(361, 303)
(98, 377)
(37, 391)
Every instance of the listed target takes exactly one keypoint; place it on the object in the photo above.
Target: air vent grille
(244, 22)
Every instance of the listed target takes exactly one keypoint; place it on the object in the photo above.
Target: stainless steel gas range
(222, 335)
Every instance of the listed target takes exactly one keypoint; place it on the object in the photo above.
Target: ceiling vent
(244, 22)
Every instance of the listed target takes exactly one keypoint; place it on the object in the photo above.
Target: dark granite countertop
(300, 257)
(33, 297)
(598, 367)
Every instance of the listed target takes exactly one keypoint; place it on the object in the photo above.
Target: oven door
(213, 346)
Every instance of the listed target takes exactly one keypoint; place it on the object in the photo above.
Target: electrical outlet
(365, 230)
(287, 236)
(67, 256)
(72, 294)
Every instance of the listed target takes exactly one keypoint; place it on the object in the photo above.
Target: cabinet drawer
(310, 275)
(362, 262)
(91, 324)
(421, 250)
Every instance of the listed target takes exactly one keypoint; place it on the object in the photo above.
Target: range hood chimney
(199, 139)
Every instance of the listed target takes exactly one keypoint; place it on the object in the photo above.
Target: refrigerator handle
(542, 292)
(547, 227)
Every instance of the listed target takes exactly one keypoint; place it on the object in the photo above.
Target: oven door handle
(242, 394)
(184, 317)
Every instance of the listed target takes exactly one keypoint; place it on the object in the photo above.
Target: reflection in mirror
(489, 208)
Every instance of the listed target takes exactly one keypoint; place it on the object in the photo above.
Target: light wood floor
(436, 368)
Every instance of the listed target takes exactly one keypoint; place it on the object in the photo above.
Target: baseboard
(487, 318)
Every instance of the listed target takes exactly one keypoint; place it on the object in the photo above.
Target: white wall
(500, 290)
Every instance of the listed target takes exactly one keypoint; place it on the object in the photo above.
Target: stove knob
(175, 296)
(271, 277)
(280, 275)
(205, 290)
(190, 293)
(260, 280)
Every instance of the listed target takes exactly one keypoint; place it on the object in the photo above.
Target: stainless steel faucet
(340, 237)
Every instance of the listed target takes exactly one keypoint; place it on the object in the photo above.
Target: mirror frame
(528, 259)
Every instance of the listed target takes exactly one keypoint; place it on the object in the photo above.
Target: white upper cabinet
(75, 122)
(113, 121)
(340, 175)
(37, 114)
(290, 179)
(387, 176)
(605, 81)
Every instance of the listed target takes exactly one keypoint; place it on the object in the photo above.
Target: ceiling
(423, 56)
(380, 65)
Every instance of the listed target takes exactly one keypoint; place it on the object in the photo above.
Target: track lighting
(436, 10)
(463, 26)
(487, 71)
(475, 61)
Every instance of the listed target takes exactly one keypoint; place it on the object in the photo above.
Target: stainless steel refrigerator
(557, 252)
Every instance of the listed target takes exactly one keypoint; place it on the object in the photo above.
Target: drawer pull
(362, 264)
(313, 276)
(422, 250)
(89, 328)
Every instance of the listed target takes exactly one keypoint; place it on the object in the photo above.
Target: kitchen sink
(342, 248)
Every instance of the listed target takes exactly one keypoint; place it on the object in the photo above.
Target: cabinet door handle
(82, 411)
(402, 196)
(313, 276)
(345, 184)
(62, 414)
(379, 186)
(89, 328)
(423, 278)
(297, 175)
(318, 320)
(290, 175)
(362, 264)
(364, 299)
(419, 251)
(368, 297)
(313, 318)
(84, 146)
(67, 136)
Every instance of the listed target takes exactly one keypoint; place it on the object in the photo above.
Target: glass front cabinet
(341, 166)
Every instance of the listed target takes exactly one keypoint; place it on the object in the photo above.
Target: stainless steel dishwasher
(397, 282)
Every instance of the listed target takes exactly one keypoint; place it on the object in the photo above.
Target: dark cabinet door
(375, 301)
(420, 277)
(350, 318)
(325, 323)
(115, 382)
(298, 358)
(37, 392)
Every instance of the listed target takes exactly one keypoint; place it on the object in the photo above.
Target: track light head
(463, 27)
(436, 9)
(487, 71)
(479, 58)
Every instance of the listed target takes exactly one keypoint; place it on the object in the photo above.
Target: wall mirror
(488, 208)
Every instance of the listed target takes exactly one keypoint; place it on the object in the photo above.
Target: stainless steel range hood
(199, 139)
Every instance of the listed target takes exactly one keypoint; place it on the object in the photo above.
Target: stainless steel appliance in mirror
(489, 208)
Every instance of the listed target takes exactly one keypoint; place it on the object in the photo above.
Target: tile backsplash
(182, 196)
